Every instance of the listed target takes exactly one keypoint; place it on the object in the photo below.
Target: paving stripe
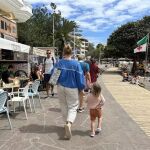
(134, 99)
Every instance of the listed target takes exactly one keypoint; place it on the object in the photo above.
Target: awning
(14, 46)
(39, 52)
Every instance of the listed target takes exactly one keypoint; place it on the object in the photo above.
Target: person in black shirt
(6, 75)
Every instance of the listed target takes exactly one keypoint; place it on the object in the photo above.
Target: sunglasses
(48, 53)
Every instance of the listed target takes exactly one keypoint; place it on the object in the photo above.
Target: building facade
(12, 52)
(84, 46)
(8, 29)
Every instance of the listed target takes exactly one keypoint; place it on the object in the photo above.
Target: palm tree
(38, 30)
(63, 28)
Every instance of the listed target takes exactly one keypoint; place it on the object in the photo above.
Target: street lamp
(74, 40)
(53, 6)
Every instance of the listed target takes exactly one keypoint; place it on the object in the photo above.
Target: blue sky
(99, 18)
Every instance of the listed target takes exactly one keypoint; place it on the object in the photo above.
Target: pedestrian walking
(48, 66)
(70, 82)
(95, 101)
(86, 71)
(94, 70)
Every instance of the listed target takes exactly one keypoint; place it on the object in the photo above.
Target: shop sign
(39, 52)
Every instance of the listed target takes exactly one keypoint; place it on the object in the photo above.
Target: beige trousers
(69, 100)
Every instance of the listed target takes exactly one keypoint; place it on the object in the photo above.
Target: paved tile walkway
(44, 129)
(134, 99)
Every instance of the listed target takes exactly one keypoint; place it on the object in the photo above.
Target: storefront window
(7, 54)
(5, 26)
(2, 35)
(2, 24)
(14, 30)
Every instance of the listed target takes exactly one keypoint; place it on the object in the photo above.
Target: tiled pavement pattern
(134, 99)
(44, 129)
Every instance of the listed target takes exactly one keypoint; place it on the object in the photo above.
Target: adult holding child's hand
(71, 80)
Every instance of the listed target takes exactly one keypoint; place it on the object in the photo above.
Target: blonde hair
(80, 57)
(96, 89)
(67, 50)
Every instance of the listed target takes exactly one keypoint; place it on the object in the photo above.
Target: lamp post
(53, 6)
(74, 40)
(53, 29)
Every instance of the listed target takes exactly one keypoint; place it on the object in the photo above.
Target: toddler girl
(95, 101)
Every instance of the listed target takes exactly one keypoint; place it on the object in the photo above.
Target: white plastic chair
(22, 97)
(33, 91)
(3, 98)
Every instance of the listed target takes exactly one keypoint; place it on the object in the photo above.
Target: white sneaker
(68, 131)
(80, 110)
(98, 130)
(92, 134)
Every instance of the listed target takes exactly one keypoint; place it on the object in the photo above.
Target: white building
(84, 46)
(81, 48)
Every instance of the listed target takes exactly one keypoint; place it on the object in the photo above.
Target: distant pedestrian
(134, 68)
(70, 82)
(94, 70)
(95, 101)
(88, 60)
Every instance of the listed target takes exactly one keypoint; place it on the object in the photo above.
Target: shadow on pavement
(80, 132)
(34, 128)
(55, 109)
(12, 116)
(112, 72)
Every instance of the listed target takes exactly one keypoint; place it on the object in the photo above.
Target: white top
(48, 65)
(1, 90)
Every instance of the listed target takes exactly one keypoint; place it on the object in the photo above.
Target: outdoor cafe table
(23, 78)
(10, 86)
(23, 81)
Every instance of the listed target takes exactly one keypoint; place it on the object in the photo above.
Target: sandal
(92, 134)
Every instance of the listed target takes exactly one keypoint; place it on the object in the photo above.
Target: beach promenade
(126, 122)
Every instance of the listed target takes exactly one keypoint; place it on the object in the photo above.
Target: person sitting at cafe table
(35, 74)
(7, 75)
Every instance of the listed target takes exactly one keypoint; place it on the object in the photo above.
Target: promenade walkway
(134, 99)
(44, 130)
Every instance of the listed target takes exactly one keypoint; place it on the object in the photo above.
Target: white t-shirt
(48, 65)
